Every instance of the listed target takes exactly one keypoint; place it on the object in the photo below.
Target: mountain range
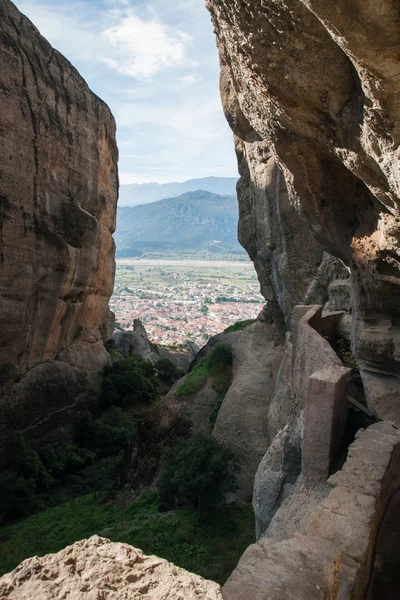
(144, 193)
(198, 221)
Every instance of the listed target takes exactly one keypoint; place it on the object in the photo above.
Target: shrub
(126, 382)
(344, 352)
(220, 355)
(166, 370)
(25, 462)
(100, 438)
(97, 477)
(64, 459)
(109, 345)
(155, 347)
(116, 417)
(199, 471)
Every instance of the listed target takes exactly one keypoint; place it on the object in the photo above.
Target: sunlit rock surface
(97, 569)
(58, 195)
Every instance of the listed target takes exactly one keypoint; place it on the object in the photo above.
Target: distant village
(187, 308)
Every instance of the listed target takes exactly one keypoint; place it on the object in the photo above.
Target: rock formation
(310, 89)
(252, 411)
(325, 545)
(136, 344)
(58, 194)
(97, 568)
(256, 406)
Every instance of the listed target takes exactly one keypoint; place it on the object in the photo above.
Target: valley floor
(184, 299)
(210, 546)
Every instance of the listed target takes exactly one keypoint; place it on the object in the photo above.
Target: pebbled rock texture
(97, 569)
(311, 91)
(58, 194)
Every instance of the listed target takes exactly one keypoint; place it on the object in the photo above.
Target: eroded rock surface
(58, 194)
(136, 344)
(252, 412)
(311, 91)
(321, 543)
(97, 568)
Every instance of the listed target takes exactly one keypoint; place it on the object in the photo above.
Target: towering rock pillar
(313, 86)
(58, 196)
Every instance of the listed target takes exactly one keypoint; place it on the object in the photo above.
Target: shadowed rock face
(311, 91)
(58, 194)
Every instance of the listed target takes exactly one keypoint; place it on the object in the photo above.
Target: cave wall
(58, 195)
(313, 87)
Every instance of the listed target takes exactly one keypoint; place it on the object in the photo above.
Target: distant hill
(196, 221)
(144, 193)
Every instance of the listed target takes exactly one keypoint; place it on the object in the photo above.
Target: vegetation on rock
(194, 380)
(217, 364)
(239, 325)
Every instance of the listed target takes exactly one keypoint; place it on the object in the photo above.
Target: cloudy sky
(155, 63)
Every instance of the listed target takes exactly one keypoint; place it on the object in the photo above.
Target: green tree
(127, 381)
(26, 462)
(100, 438)
(167, 371)
(199, 471)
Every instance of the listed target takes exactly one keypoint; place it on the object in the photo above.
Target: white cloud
(156, 66)
(191, 79)
(144, 47)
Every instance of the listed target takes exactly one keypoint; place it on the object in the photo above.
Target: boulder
(96, 569)
(135, 343)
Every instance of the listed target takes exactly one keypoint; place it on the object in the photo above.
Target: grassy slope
(210, 546)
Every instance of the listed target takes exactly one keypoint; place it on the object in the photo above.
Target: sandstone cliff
(310, 89)
(58, 194)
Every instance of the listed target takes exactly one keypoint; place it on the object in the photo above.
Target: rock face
(96, 569)
(311, 91)
(252, 413)
(256, 406)
(322, 542)
(58, 194)
(44, 400)
(136, 344)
